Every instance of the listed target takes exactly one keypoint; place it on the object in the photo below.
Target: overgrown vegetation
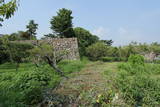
(27, 87)
(28, 71)
(139, 83)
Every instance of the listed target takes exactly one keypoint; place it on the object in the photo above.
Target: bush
(96, 51)
(139, 84)
(136, 60)
(24, 88)
(110, 59)
(31, 83)
(139, 90)
(157, 61)
(28, 87)
(19, 51)
(4, 56)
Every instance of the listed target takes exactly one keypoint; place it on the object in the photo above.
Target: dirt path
(82, 87)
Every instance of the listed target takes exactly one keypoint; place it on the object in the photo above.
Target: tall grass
(139, 84)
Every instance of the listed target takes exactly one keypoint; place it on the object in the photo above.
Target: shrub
(110, 59)
(139, 84)
(96, 51)
(28, 87)
(19, 51)
(4, 56)
(85, 39)
(139, 90)
(157, 61)
(31, 83)
(136, 60)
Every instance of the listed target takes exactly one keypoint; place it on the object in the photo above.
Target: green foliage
(107, 42)
(4, 56)
(139, 84)
(62, 23)
(31, 84)
(136, 60)
(7, 9)
(24, 87)
(18, 51)
(20, 35)
(96, 51)
(157, 61)
(139, 90)
(85, 39)
(28, 86)
(111, 59)
(155, 47)
(50, 35)
(13, 51)
(105, 99)
(31, 29)
(71, 66)
(43, 51)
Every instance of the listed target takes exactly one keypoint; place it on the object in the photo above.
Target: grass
(92, 84)
(138, 84)
(30, 81)
(83, 88)
(11, 67)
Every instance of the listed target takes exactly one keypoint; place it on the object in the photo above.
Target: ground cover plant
(138, 81)
(26, 87)
(35, 73)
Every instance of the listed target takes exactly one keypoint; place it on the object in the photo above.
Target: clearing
(82, 88)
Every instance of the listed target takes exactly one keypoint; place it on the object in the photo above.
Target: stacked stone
(61, 44)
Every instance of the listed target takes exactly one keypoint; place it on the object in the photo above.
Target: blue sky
(122, 21)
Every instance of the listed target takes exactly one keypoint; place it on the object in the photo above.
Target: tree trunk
(53, 65)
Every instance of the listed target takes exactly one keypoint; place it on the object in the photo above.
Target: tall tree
(7, 9)
(62, 23)
(31, 29)
(85, 39)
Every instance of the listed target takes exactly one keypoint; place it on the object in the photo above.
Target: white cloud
(101, 32)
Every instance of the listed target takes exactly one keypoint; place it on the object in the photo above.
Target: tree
(85, 39)
(155, 47)
(14, 37)
(50, 35)
(97, 50)
(4, 56)
(7, 9)
(18, 52)
(31, 29)
(107, 42)
(44, 52)
(61, 25)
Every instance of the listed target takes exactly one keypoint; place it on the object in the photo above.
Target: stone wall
(59, 44)
(68, 44)
(152, 56)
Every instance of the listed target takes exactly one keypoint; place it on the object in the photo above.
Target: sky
(122, 21)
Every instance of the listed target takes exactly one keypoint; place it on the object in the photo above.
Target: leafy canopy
(31, 29)
(85, 39)
(61, 25)
(97, 50)
(7, 9)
